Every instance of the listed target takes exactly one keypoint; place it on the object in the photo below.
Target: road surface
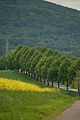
(61, 86)
(72, 113)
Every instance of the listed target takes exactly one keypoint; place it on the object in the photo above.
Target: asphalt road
(72, 113)
(62, 86)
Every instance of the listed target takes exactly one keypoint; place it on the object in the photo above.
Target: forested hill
(51, 25)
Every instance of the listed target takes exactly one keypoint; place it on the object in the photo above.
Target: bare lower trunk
(40, 79)
(37, 78)
(67, 84)
(52, 83)
(48, 82)
(34, 76)
(26, 72)
(78, 88)
(58, 84)
(63, 82)
(44, 80)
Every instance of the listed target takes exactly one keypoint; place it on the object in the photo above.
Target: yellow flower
(16, 85)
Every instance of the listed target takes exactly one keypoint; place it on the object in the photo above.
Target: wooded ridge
(51, 25)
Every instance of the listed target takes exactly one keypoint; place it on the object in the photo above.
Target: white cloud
(75, 4)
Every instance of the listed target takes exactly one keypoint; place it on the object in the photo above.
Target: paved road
(72, 113)
(62, 86)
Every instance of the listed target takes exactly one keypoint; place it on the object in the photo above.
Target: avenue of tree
(42, 64)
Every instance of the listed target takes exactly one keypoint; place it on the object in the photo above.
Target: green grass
(20, 105)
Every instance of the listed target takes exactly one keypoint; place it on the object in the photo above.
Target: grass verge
(26, 105)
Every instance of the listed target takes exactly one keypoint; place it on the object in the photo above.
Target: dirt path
(72, 113)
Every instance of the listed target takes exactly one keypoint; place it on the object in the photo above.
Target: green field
(19, 105)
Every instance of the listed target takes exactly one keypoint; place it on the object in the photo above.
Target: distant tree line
(43, 64)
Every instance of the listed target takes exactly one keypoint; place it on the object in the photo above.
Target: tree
(9, 60)
(50, 52)
(39, 66)
(3, 63)
(23, 54)
(32, 57)
(45, 67)
(34, 63)
(16, 57)
(63, 71)
(54, 68)
(77, 79)
(72, 71)
(26, 59)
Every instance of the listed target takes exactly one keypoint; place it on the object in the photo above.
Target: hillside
(53, 26)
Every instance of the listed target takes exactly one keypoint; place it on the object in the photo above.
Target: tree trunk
(78, 88)
(63, 82)
(58, 84)
(52, 83)
(44, 80)
(31, 75)
(67, 84)
(48, 82)
(73, 87)
(37, 78)
(40, 79)
(26, 72)
(34, 76)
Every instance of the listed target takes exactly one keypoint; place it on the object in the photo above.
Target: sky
(75, 4)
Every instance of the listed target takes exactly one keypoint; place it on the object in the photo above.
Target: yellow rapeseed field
(16, 85)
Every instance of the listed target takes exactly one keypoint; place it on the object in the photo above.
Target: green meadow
(22, 105)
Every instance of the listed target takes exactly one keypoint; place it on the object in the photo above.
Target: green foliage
(27, 57)
(63, 70)
(38, 67)
(77, 80)
(16, 56)
(73, 69)
(2, 63)
(9, 59)
(36, 22)
(34, 63)
(46, 66)
(23, 53)
(54, 68)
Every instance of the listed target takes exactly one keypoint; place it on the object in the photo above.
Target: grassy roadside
(19, 105)
(22, 77)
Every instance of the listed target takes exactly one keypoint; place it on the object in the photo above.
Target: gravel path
(72, 113)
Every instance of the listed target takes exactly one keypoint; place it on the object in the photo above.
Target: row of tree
(42, 64)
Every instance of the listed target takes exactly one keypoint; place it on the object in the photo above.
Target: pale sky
(75, 4)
